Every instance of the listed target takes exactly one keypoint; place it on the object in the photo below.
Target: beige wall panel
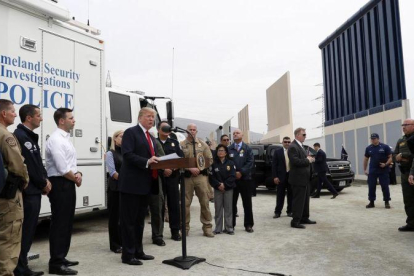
(279, 110)
(244, 126)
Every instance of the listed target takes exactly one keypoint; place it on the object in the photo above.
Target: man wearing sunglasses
(299, 178)
(280, 172)
(225, 140)
(380, 158)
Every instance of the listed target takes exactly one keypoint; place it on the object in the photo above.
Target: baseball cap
(374, 135)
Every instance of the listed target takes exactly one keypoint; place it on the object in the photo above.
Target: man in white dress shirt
(63, 174)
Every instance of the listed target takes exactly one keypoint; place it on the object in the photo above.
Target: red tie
(154, 172)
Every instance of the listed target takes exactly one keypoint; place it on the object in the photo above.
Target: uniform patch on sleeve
(28, 145)
(11, 141)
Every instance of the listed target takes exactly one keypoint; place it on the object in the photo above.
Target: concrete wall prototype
(279, 111)
(227, 129)
(244, 123)
(355, 135)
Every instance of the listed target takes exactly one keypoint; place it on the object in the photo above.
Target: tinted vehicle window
(120, 106)
(255, 152)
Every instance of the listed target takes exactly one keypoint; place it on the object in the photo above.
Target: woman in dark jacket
(222, 179)
(113, 164)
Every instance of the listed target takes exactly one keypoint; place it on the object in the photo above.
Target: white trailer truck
(48, 59)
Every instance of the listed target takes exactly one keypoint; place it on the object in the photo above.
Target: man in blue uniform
(38, 184)
(243, 158)
(380, 157)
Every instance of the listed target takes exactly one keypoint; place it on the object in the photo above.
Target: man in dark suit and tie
(280, 172)
(136, 184)
(299, 178)
(320, 167)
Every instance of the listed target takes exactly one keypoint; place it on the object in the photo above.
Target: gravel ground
(348, 239)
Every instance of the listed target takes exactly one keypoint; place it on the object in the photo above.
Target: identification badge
(231, 155)
(216, 169)
(241, 154)
(228, 168)
(172, 144)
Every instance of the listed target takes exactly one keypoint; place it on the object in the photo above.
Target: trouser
(243, 187)
(322, 179)
(11, 220)
(198, 184)
(223, 203)
(157, 208)
(173, 203)
(62, 199)
(408, 197)
(31, 206)
(282, 187)
(114, 224)
(300, 203)
(384, 180)
(133, 209)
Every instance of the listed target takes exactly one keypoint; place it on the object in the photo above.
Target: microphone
(167, 128)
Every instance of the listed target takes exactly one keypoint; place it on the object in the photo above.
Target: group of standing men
(25, 181)
(138, 182)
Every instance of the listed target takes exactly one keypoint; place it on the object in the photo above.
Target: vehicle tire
(339, 189)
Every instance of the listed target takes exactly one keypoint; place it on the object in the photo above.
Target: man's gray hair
(299, 130)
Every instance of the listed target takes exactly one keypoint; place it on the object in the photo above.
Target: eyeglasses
(221, 150)
(304, 134)
(404, 125)
(226, 140)
(286, 142)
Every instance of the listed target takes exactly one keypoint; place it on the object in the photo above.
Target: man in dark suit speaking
(321, 168)
(299, 178)
(137, 182)
(280, 172)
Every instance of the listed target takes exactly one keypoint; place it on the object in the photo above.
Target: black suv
(340, 173)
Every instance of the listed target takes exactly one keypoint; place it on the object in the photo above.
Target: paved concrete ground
(348, 239)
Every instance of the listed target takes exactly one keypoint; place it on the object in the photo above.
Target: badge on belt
(199, 145)
(402, 144)
(228, 168)
(172, 144)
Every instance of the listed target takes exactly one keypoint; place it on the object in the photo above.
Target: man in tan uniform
(196, 180)
(11, 205)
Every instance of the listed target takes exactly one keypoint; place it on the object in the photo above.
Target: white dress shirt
(60, 154)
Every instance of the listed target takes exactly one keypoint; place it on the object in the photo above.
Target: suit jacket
(320, 162)
(299, 174)
(135, 178)
(279, 165)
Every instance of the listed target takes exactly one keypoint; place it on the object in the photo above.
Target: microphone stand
(184, 262)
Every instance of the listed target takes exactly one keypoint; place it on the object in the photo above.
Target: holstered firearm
(13, 182)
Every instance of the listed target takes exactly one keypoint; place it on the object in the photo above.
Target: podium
(184, 261)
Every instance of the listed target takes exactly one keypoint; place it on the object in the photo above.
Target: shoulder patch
(11, 141)
(28, 145)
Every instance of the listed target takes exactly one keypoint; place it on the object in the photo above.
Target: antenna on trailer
(88, 12)
(172, 75)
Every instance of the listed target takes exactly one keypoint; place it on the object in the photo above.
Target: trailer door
(88, 103)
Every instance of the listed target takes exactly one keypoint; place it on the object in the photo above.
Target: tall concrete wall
(279, 110)
(244, 125)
